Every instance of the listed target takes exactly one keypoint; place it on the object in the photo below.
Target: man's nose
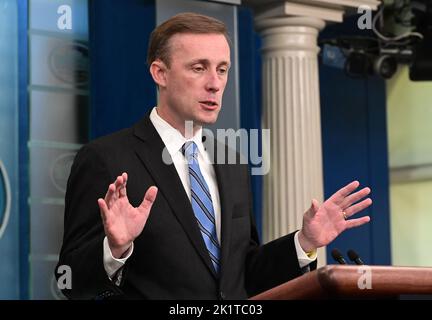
(213, 82)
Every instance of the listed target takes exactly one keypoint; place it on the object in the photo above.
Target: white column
(291, 110)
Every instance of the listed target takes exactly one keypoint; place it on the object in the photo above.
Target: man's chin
(210, 121)
(207, 119)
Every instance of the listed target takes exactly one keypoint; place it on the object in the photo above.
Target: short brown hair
(187, 22)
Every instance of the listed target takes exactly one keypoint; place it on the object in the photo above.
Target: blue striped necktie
(202, 204)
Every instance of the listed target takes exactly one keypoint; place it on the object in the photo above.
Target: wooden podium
(353, 282)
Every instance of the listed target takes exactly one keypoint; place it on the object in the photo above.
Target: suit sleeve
(272, 264)
(82, 248)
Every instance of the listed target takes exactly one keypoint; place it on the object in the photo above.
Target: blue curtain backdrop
(354, 136)
(250, 92)
(122, 89)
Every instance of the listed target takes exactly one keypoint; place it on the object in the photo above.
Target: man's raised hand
(323, 223)
(122, 222)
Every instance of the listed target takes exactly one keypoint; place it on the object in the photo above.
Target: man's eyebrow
(207, 62)
(225, 63)
(201, 61)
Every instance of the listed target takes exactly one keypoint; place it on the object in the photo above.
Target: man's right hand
(122, 222)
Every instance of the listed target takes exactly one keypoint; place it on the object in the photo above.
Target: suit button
(222, 295)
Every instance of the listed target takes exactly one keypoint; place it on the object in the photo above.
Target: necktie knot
(190, 151)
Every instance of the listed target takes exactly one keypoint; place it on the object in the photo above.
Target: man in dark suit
(193, 235)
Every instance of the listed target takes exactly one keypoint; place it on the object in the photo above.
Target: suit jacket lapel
(224, 185)
(149, 149)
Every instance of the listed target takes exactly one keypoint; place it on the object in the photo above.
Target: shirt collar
(171, 137)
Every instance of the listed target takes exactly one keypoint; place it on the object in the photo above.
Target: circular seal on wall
(69, 63)
(5, 199)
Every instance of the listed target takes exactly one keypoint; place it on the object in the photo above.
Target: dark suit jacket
(170, 260)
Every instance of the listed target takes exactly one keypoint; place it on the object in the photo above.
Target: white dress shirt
(174, 141)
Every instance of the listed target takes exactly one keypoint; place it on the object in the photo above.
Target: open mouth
(209, 103)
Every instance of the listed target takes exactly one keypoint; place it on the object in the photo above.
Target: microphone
(354, 257)
(337, 255)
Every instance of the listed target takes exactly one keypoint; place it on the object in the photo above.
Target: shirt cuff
(111, 264)
(304, 258)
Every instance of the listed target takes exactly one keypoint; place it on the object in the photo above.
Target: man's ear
(158, 71)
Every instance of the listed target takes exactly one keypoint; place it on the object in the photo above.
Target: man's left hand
(323, 223)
